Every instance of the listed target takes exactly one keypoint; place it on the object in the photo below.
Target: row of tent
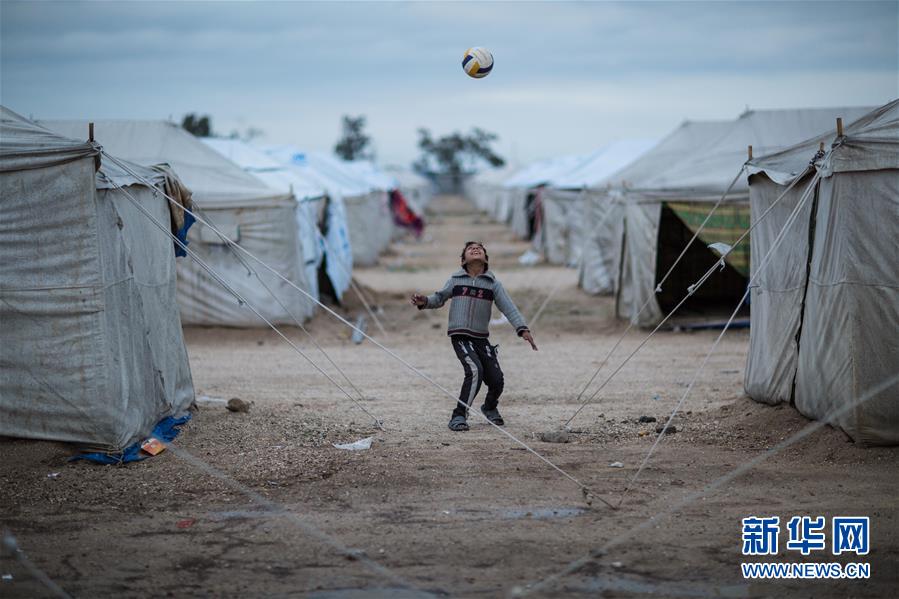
(825, 309)
(92, 299)
(308, 215)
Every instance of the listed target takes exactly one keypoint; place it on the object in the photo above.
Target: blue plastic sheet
(166, 430)
(339, 263)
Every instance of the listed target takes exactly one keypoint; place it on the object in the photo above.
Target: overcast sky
(568, 77)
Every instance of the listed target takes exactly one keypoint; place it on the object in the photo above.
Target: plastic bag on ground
(360, 445)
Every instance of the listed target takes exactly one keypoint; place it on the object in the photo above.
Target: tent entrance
(326, 290)
(718, 296)
(530, 208)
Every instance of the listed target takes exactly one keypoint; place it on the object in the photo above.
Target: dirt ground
(262, 504)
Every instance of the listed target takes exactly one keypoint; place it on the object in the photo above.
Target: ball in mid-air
(477, 62)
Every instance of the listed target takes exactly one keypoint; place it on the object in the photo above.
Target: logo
(806, 535)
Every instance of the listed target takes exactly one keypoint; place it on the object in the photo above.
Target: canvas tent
(370, 173)
(525, 190)
(313, 210)
(91, 349)
(825, 311)
(487, 192)
(604, 162)
(368, 218)
(664, 207)
(597, 185)
(604, 209)
(259, 218)
(566, 199)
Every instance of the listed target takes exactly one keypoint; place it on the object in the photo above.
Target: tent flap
(724, 226)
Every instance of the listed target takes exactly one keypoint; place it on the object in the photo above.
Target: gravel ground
(261, 503)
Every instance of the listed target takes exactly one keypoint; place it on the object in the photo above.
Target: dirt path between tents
(429, 510)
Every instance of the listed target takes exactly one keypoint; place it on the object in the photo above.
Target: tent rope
(658, 288)
(690, 291)
(296, 320)
(588, 492)
(761, 268)
(719, 482)
(353, 284)
(577, 266)
(11, 547)
(276, 508)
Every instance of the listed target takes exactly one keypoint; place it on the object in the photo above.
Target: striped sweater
(472, 300)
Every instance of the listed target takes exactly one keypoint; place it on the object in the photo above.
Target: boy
(473, 290)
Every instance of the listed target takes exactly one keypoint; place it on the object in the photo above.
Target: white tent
(604, 214)
(368, 215)
(665, 206)
(545, 172)
(485, 189)
(565, 201)
(825, 311)
(259, 218)
(313, 206)
(91, 349)
(370, 173)
(525, 191)
(603, 163)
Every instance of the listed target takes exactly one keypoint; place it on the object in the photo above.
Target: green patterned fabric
(726, 225)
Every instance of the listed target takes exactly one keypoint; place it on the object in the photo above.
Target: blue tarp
(166, 430)
(338, 252)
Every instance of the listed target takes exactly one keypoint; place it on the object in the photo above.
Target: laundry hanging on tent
(181, 219)
(181, 234)
(403, 215)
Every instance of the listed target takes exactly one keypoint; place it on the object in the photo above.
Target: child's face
(474, 252)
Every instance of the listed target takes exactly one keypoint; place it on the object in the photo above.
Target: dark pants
(481, 364)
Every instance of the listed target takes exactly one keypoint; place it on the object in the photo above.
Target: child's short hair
(486, 257)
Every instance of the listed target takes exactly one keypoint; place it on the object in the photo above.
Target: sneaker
(458, 424)
(493, 415)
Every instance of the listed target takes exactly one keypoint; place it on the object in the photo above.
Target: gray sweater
(472, 300)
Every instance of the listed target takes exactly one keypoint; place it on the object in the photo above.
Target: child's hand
(418, 300)
(530, 339)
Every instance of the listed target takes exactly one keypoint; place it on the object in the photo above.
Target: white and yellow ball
(477, 62)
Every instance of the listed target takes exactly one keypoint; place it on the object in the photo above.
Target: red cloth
(403, 215)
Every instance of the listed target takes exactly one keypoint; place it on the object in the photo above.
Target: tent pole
(750, 152)
(90, 132)
(839, 127)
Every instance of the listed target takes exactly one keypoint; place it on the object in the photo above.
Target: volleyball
(477, 62)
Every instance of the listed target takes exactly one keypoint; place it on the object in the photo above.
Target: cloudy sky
(568, 78)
